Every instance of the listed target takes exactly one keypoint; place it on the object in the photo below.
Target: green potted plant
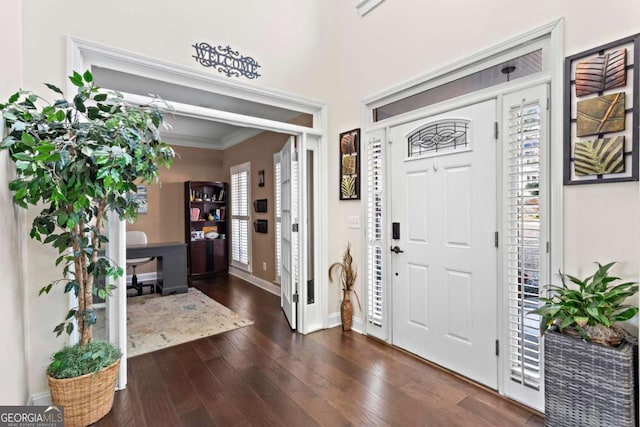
(589, 361)
(348, 276)
(77, 160)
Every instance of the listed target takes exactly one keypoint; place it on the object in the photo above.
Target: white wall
(292, 40)
(403, 39)
(323, 49)
(13, 369)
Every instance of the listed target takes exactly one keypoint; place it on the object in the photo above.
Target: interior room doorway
(312, 314)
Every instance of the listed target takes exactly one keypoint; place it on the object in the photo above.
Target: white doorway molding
(83, 55)
(549, 38)
(553, 73)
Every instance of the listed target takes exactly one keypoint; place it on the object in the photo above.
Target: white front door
(443, 199)
(289, 243)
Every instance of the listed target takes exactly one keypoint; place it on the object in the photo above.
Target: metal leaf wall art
(601, 73)
(599, 157)
(350, 165)
(603, 114)
(348, 186)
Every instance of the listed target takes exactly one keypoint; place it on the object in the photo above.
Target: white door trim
(435, 76)
(84, 54)
(553, 74)
(553, 58)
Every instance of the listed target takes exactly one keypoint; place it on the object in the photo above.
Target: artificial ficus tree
(81, 158)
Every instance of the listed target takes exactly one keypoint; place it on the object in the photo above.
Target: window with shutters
(240, 219)
(375, 210)
(524, 244)
(278, 213)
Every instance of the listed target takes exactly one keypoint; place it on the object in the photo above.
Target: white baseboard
(357, 325)
(256, 281)
(334, 320)
(144, 277)
(42, 399)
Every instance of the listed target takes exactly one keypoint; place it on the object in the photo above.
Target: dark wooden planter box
(589, 384)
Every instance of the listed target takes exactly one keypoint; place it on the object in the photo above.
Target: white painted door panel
(444, 283)
(287, 275)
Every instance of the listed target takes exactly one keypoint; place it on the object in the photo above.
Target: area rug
(155, 322)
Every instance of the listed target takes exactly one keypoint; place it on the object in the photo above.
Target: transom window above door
(515, 68)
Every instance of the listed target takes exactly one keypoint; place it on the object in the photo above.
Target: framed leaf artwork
(350, 165)
(601, 113)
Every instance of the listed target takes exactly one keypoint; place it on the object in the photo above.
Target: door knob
(396, 249)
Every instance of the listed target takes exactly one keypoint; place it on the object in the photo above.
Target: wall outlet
(353, 221)
(264, 266)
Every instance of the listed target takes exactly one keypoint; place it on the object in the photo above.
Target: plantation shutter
(375, 226)
(278, 214)
(525, 250)
(295, 240)
(240, 216)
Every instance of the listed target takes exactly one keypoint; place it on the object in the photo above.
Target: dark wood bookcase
(205, 212)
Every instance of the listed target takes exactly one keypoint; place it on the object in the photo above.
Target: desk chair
(138, 238)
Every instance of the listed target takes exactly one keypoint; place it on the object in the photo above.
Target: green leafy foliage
(74, 361)
(81, 159)
(594, 301)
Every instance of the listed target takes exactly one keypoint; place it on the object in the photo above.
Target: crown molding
(186, 140)
(366, 6)
(239, 136)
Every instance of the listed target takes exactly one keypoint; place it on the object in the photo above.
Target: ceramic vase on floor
(346, 311)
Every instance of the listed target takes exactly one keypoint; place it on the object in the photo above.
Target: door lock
(397, 250)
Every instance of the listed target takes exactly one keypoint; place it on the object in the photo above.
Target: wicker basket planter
(589, 384)
(86, 399)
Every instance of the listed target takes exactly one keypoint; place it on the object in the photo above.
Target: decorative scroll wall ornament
(226, 60)
(350, 165)
(601, 73)
(604, 114)
(436, 137)
(599, 157)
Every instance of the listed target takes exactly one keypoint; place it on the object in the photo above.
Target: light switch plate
(354, 221)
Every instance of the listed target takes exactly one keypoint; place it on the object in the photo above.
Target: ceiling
(189, 131)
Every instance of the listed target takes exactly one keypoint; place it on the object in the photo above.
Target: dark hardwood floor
(266, 375)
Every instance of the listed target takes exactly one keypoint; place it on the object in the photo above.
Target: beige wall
(164, 220)
(13, 369)
(259, 152)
